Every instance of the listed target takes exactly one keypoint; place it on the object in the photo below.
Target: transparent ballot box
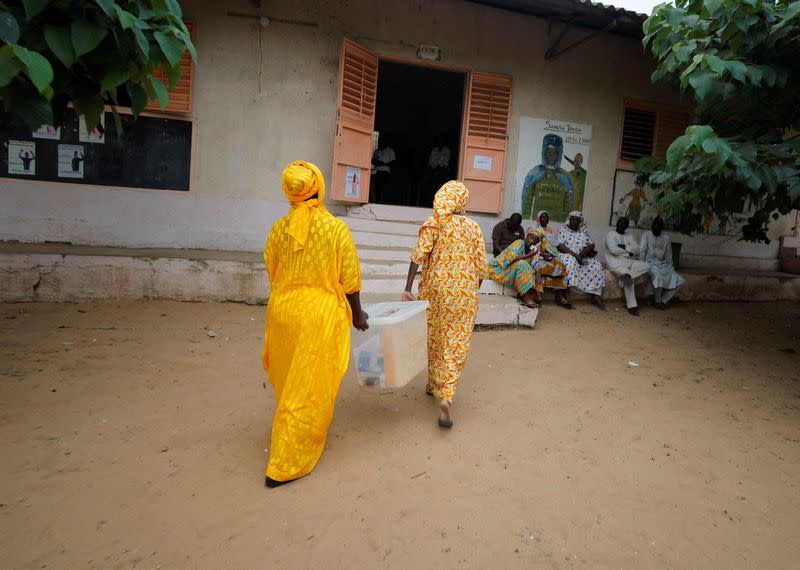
(395, 348)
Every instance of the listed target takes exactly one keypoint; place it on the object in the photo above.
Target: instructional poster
(552, 167)
(22, 158)
(97, 136)
(70, 161)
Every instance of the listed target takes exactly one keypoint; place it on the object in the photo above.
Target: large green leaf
(756, 75)
(86, 36)
(702, 83)
(10, 66)
(107, 6)
(676, 151)
(174, 8)
(138, 97)
(114, 79)
(161, 92)
(770, 180)
(34, 7)
(59, 41)
(173, 74)
(171, 47)
(716, 64)
(143, 43)
(712, 6)
(187, 41)
(126, 19)
(36, 67)
(737, 69)
(90, 107)
(791, 12)
(9, 28)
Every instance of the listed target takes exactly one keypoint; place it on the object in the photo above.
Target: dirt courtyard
(133, 440)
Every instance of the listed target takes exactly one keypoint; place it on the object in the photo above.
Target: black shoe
(634, 311)
(272, 483)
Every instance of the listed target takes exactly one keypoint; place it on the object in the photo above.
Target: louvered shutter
(180, 98)
(670, 125)
(487, 116)
(355, 122)
(648, 129)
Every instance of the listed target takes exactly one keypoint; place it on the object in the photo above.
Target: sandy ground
(131, 440)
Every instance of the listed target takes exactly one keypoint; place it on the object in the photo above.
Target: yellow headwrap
(451, 198)
(302, 180)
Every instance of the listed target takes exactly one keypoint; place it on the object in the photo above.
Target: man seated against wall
(507, 232)
(622, 251)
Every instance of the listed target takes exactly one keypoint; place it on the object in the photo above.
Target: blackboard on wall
(151, 152)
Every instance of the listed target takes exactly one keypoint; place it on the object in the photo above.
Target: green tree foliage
(87, 52)
(740, 59)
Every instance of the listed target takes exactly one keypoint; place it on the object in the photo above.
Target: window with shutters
(648, 129)
(180, 97)
(490, 106)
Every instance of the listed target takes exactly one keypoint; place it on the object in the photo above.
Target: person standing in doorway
(315, 280)
(452, 254)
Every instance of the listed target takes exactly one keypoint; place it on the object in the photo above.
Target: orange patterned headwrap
(451, 199)
(301, 181)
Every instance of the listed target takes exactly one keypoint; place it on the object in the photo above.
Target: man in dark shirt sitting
(507, 232)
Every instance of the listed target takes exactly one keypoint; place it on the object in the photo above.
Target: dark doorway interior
(418, 120)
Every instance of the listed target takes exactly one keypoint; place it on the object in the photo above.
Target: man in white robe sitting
(656, 249)
(622, 251)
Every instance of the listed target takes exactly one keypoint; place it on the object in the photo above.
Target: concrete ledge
(58, 272)
(38, 277)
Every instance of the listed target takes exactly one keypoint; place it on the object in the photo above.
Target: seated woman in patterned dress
(578, 254)
(552, 271)
(516, 266)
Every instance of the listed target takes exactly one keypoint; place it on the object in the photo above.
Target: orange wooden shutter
(355, 122)
(648, 129)
(180, 98)
(670, 125)
(483, 158)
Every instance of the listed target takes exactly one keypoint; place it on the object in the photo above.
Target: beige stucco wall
(293, 113)
(266, 97)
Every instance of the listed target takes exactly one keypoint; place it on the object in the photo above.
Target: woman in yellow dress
(452, 254)
(315, 280)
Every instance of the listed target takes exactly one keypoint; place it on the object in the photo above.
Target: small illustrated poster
(70, 161)
(22, 158)
(48, 132)
(352, 182)
(98, 134)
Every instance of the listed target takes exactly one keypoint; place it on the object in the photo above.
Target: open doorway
(418, 116)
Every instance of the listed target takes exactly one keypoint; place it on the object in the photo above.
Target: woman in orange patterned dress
(452, 254)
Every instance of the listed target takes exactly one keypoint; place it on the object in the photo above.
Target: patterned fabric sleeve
(480, 254)
(558, 239)
(350, 269)
(427, 237)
